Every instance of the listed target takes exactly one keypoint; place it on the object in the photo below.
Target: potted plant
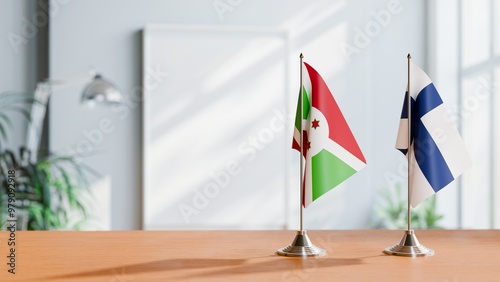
(393, 213)
(49, 193)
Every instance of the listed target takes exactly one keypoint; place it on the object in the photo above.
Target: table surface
(352, 255)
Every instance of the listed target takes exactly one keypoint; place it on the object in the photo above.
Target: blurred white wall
(18, 57)
(359, 47)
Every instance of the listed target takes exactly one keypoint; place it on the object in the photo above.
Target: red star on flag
(305, 140)
(315, 123)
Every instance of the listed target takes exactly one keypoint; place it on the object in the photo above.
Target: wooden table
(461, 255)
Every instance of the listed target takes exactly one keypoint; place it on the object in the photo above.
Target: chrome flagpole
(301, 245)
(301, 185)
(408, 105)
(409, 246)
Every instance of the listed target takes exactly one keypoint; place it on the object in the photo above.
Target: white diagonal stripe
(320, 139)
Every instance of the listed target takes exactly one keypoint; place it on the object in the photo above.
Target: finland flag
(438, 154)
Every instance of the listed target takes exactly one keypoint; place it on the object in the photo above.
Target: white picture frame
(209, 92)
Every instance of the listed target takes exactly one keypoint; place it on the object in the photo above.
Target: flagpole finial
(301, 56)
(409, 56)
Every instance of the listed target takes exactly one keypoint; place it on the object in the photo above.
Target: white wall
(468, 90)
(369, 86)
(18, 57)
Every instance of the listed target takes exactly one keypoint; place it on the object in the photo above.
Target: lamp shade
(101, 90)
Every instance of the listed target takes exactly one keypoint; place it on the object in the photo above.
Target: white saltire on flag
(331, 153)
(438, 153)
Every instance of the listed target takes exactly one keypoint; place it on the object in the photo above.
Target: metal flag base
(409, 247)
(301, 247)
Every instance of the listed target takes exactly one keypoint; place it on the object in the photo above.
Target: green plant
(393, 213)
(50, 192)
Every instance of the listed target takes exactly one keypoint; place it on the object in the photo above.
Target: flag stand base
(301, 247)
(409, 247)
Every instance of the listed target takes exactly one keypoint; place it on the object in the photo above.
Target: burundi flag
(438, 154)
(331, 153)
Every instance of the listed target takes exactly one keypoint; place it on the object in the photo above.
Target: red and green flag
(330, 150)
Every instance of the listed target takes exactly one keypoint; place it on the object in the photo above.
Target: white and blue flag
(438, 154)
